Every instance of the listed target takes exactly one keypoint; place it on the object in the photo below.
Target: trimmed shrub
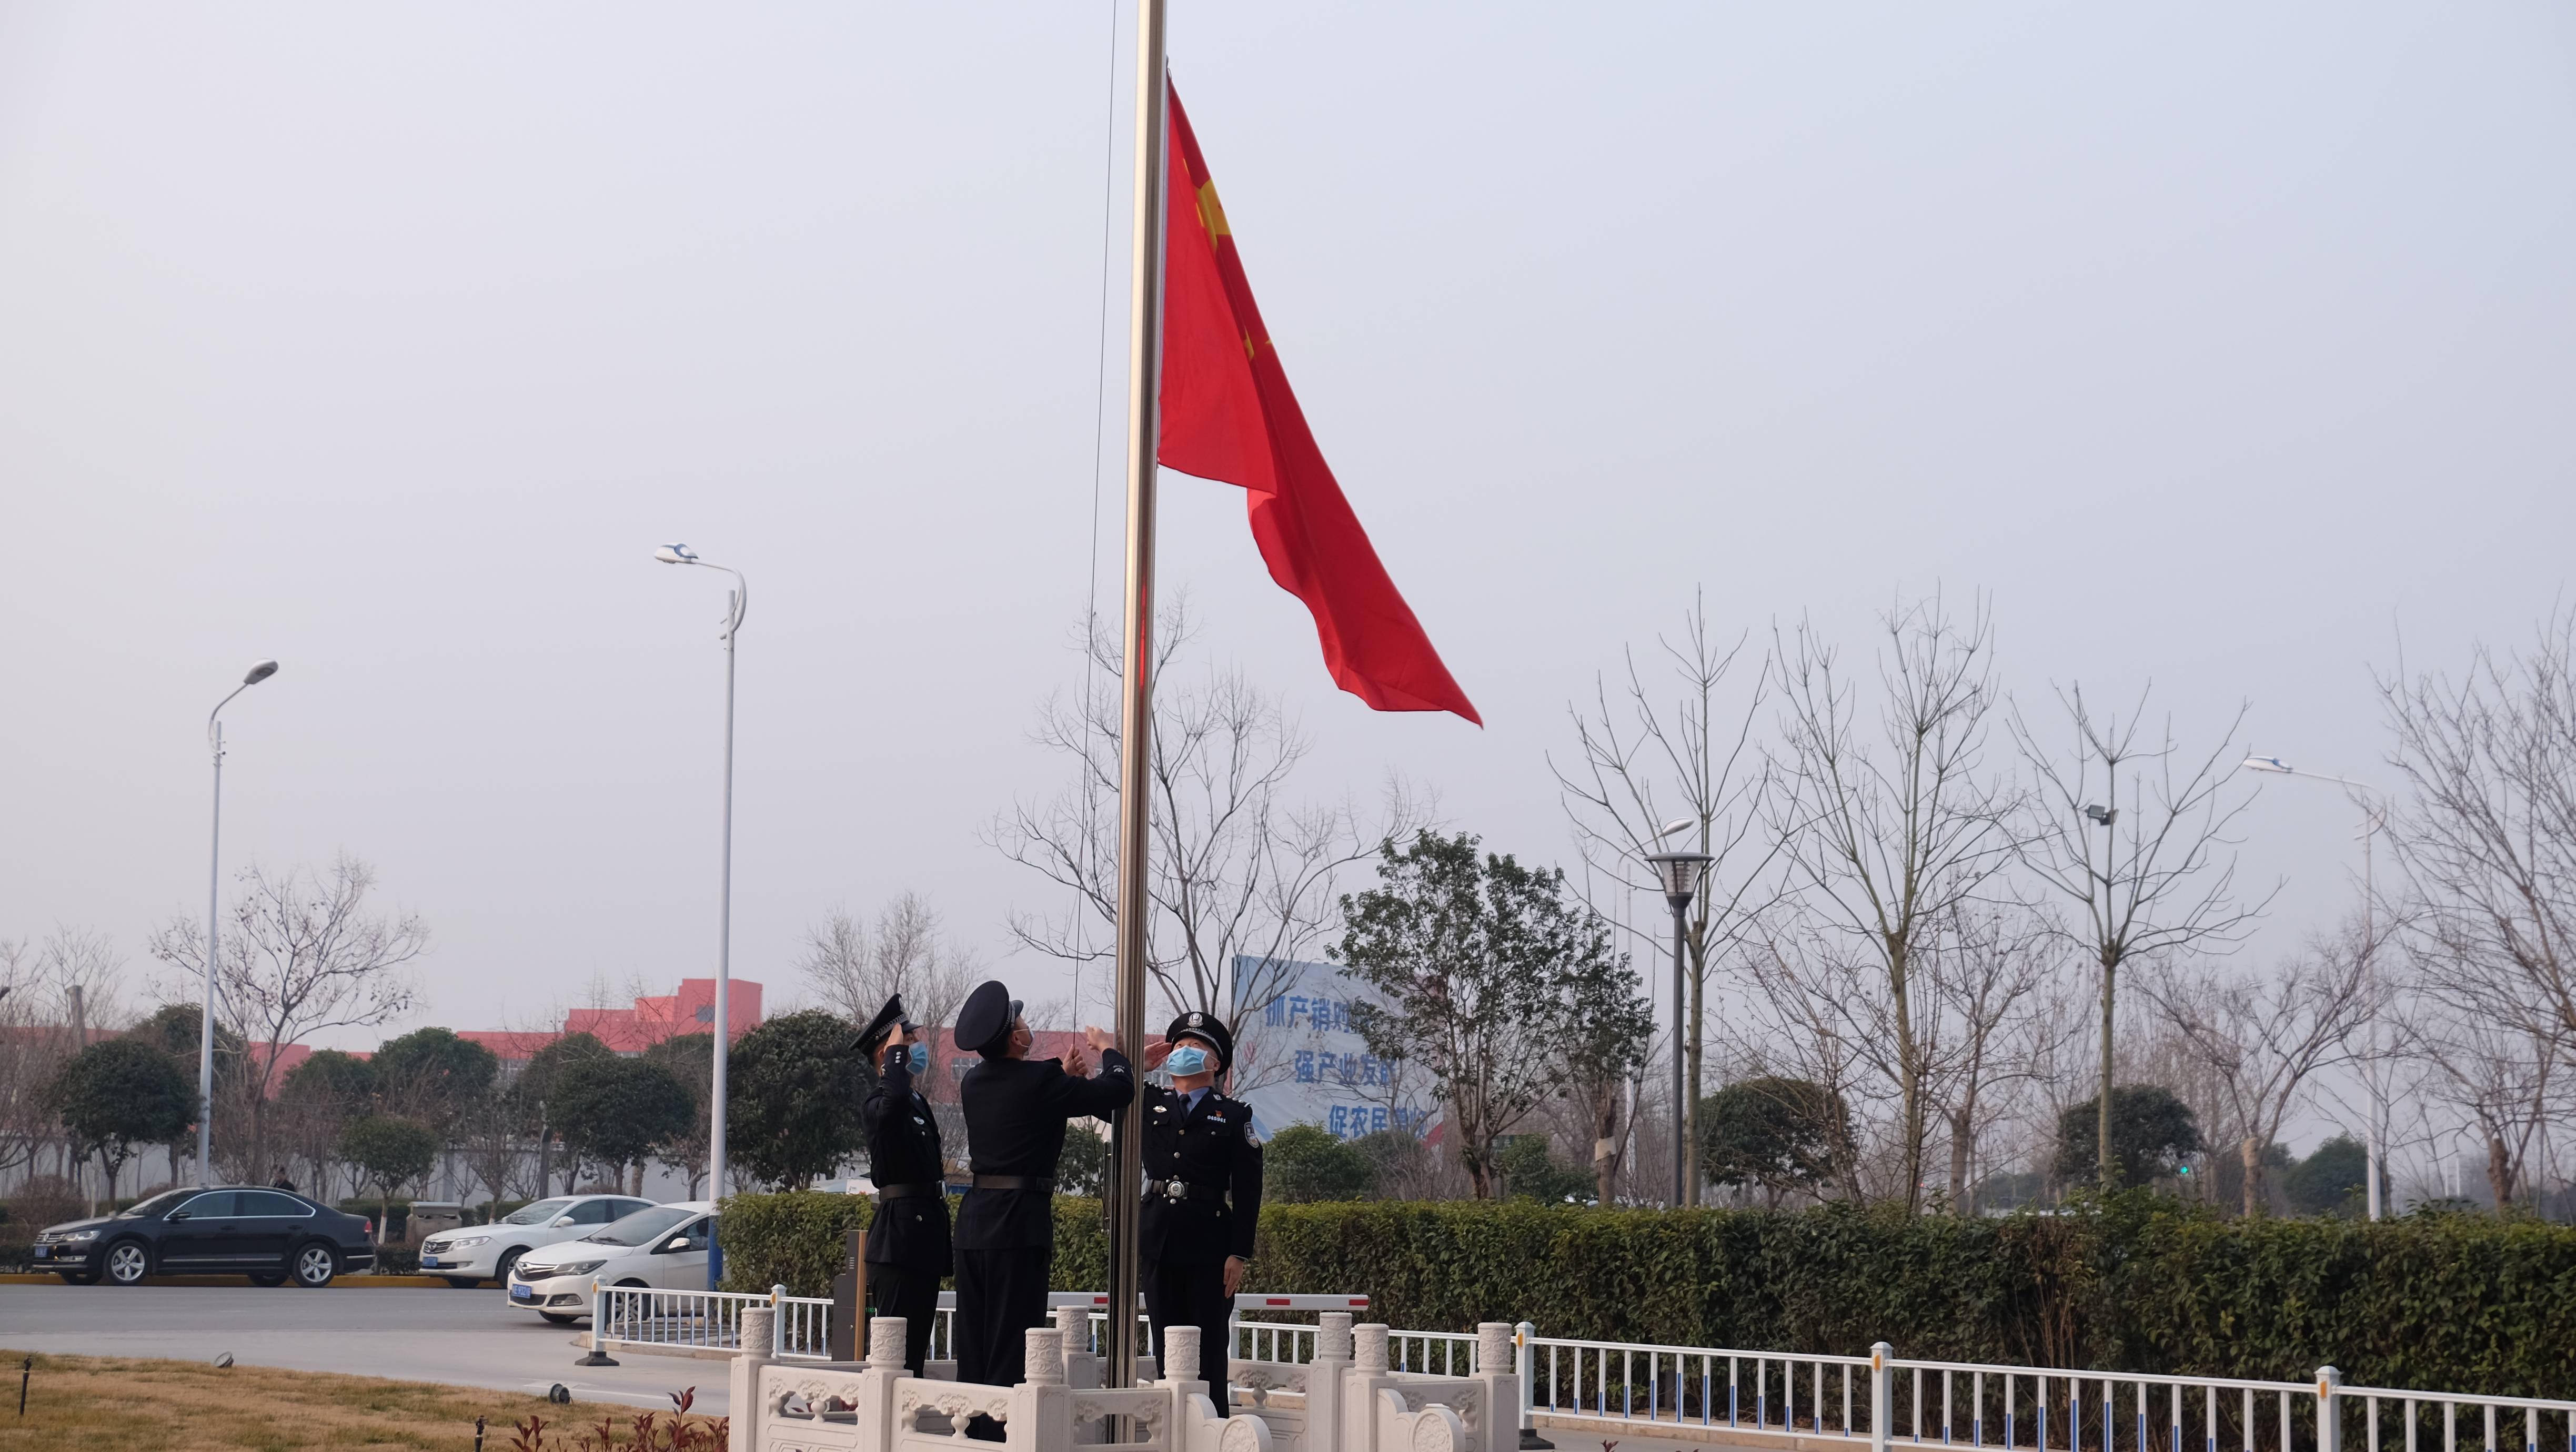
(2134, 1283)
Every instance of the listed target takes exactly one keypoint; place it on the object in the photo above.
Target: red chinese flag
(1228, 415)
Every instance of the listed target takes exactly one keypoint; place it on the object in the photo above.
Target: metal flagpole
(1136, 718)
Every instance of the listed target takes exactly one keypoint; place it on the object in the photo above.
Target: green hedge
(2451, 1302)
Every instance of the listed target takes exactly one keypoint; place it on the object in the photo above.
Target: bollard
(1525, 1362)
(2330, 1416)
(1882, 1398)
(598, 1332)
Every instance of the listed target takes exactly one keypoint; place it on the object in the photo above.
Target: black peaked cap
(984, 1024)
(873, 1037)
(1207, 1028)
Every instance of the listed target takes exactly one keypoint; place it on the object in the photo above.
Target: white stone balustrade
(1345, 1400)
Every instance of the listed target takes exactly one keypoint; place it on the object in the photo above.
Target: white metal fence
(1879, 1399)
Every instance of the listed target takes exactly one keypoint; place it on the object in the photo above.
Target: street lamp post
(2373, 817)
(737, 604)
(1680, 873)
(214, 930)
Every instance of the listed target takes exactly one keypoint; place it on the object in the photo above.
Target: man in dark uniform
(907, 1250)
(1016, 1109)
(1202, 1195)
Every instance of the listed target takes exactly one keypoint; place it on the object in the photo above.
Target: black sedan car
(269, 1235)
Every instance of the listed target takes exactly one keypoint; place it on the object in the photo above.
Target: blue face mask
(1187, 1059)
(920, 1057)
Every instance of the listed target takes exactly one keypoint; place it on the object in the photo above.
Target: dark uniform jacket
(1211, 1146)
(903, 1149)
(1015, 1115)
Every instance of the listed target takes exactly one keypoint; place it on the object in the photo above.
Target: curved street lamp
(2373, 817)
(737, 605)
(259, 672)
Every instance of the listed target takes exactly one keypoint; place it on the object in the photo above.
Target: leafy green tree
(1482, 968)
(115, 1095)
(2151, 1131)
(691, 1058)
(390, 1151)
(2331, 1181)
(1530, 1173)
(533, 1093)
(435, 1077)
(1305, 1163)
(793, 1096)
(1084, 1169)
(1784, 1135)
(172, 1029)
(318, 1099)
(615, 1111)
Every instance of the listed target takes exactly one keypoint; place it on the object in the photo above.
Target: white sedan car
(663, 1247)
(473, 1254)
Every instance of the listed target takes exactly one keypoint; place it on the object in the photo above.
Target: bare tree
(2133, 836)
(1887, 832)
(302, 955)
(1241, 879)
(2488, 839)
(1989, 966)
(854, 970)
(2264, 1041)
(1678, 749)
(2498, 1079)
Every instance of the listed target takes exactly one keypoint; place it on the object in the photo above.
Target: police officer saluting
(907, 1249)
(1202, 1196)
(1016, 1109)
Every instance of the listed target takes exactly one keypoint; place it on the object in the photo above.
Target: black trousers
(1001, 1294)
(1192, 1293)
(913, 1294)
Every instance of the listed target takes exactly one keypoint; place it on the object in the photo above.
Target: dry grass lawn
(107, 1402)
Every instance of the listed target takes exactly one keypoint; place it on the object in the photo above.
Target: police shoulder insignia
(1250, 1136)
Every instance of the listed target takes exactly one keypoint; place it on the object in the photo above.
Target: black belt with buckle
(1184, 1190)
(1012, 1182)
(908, 1192)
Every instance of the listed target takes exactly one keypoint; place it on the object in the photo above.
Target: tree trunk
(2249, 1151)
(1909, 1074)
(2106, 1165)
(2499, 1172)
(384, 1213)
(1959, 1145)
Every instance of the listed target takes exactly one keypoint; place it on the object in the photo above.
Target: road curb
(355, 1283)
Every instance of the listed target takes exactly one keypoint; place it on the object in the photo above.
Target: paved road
(469, 1338)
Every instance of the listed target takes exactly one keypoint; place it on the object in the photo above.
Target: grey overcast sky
(2224, 346)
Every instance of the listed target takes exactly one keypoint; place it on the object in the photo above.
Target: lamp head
(675, 554)
(260, 672)
(1681, 874)
(2272, 764)
(1678, 824)
(2100, 815)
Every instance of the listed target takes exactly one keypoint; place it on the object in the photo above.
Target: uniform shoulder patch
(1251, 1136)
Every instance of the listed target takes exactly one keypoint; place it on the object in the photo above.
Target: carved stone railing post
(1081, 1364)
(885, 1342)
(1499, 1429)
(1324, 1390)
(1357, 1425)
(1041, 1406)
(1369, 1349)
(1180, 1353)
(759, 1343)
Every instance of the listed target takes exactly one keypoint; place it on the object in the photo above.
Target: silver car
(472, 1254)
